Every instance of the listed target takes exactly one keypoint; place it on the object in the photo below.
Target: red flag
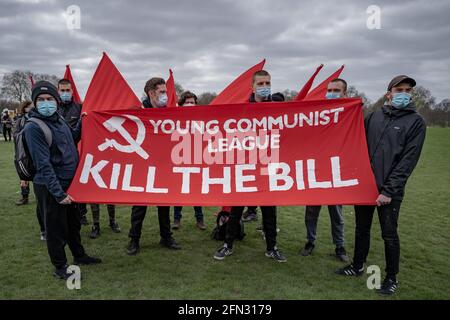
(108, 89)
(320, 91)
(171, 91)
(304, 91)
(31, 80)
(240, 89)
(68, 76)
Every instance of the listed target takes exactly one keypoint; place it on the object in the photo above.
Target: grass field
(191, 273)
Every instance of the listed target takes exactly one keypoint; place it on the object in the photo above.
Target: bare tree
(16, 86)
(206, 97)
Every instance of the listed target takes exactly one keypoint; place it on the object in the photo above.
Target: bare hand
(67, 200)
(383, 200)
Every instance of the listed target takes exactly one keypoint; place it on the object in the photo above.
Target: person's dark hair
(153, 84)
(23, 106)
(341, 80)
(259, 73)
(64, 81)
(187, 95)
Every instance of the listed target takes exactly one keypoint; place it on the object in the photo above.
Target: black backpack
(221, 227)
(22, 159)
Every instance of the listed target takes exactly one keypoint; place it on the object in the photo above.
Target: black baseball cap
(401, 79)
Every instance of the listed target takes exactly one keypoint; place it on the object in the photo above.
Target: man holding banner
(395, 136)
(336, 89)
(261, 93)
(156, 92)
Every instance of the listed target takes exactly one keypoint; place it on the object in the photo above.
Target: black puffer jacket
(71, 112)
(395, 138)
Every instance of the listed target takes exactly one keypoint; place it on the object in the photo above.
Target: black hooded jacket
(394, 138)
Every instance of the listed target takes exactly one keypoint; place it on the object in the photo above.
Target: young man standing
(55, 166)
(336, 89)
(395, 136)
(261, 85)
(156, 92)
(188, 98)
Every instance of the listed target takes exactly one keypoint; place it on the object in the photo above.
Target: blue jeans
(337, 223)
(197, 211)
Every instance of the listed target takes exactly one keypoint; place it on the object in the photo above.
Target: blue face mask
(401, 100)
(332, 95)
(162, 100)
(66, 96)
(263, 92)
(46, 108)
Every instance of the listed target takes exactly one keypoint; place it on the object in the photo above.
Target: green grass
(158, 273)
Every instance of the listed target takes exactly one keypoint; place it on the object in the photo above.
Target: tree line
(16, 87)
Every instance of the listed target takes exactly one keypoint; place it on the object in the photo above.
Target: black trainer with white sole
(388, 287)
(223, 252)
(350, 271)
(276, 255)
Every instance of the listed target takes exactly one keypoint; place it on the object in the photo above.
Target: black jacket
(278, 97)
(70, 112)
(394, 138)
(55, 165)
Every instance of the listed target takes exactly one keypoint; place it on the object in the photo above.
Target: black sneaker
(276, 255)
(170, 243)
(62, 273)
(84, 221)
(133, 247)
(388, 287)
(114, 226)
(223, 252)
(22, 201)
(341, 254)
(86, 260)
(307, 250)
(95, 232)
(350, 271)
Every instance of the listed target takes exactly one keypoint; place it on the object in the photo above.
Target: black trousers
(137, 218)
(40, 208)
(96, 212)
(388, 216)
(62, 225)
(269, 221)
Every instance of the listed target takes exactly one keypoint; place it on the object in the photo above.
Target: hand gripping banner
(287, 153)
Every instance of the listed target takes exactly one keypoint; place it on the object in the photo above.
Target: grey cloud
(208, 43)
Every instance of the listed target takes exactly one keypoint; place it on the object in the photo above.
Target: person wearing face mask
(336, 89)
(395, 136)
(55, 166)
(156, 97)
(71, 112)
(261, 84)
(187, 99)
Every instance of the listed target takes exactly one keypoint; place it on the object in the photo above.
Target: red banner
(288, 153)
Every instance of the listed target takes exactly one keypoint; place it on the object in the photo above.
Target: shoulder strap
(44, 127)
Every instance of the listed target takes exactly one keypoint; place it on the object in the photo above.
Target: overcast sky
(208, 43)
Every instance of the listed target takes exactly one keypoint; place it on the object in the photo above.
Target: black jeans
(96, 212)
(269, 221)
(388, 216)
(62, 225)
(137, 218)
(40, 208)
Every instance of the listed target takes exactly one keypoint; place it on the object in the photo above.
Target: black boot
(114, 226)
(95, 231)
(133, 247)
(86, 260)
